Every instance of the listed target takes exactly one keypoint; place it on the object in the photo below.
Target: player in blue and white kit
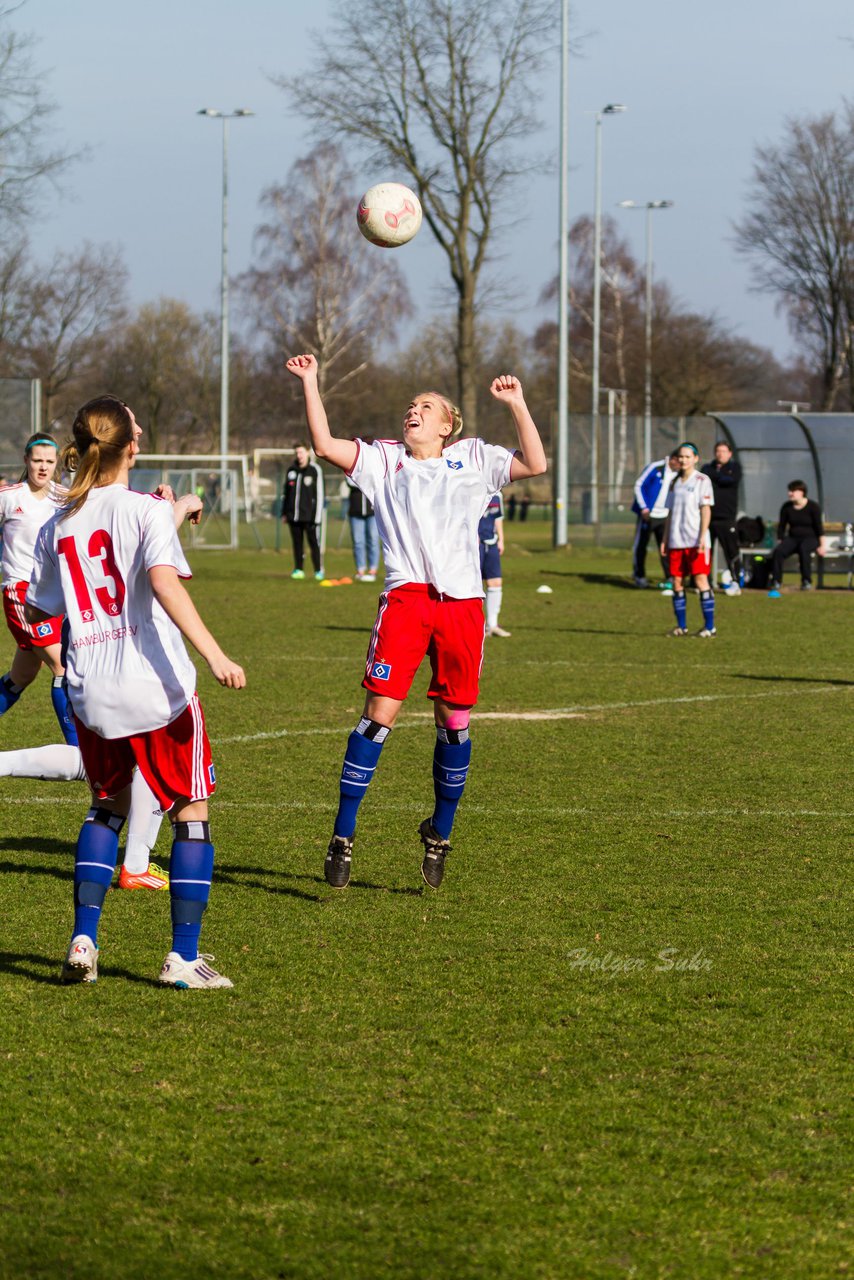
(490, 532)
(428, 494)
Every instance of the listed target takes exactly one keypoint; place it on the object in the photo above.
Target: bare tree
(28, 162)
(164, 363)
(73, 307)
(799, 237)
(439, 90)
(314, 288)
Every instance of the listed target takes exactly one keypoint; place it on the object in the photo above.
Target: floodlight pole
(612, 108)
(560, 461)
(239, 114)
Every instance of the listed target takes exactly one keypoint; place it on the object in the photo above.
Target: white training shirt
(427, 511)
(22, 515)
(684, 501)
(127, 669)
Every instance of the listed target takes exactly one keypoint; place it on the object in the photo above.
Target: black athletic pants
(724, 531)
(804, 547)
(311, 531)
(647, 529)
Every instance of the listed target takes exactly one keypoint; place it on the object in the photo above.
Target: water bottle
(846, 542)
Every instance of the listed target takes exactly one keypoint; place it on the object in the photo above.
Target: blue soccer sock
(707, 604)
(9, 693)
(190, 875)
(62, 708)
(94, 864)
(360, 761)
(680, 608)
(451, 758)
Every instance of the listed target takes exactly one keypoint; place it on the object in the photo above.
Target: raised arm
(341, 453)
(530, 458)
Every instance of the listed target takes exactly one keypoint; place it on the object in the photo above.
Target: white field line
(79, 801)
(554, 713)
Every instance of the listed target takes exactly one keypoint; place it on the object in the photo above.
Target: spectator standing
(303, 509)
(801, 531)
(363, 532)
(650, 506)
(725, 475)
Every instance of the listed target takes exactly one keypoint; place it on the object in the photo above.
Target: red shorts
(175, 761)
(687, 561)
(414, 621)
(26, 636)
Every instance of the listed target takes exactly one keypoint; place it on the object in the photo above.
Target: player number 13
(100, 548)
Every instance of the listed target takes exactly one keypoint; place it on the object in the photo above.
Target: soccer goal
(221, 483)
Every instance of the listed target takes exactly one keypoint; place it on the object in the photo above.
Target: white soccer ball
(389, 214)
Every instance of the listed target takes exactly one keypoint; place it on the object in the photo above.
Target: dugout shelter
(776, 448)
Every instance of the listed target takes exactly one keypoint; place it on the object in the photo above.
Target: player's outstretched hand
(507, 388)
(302, 367)
(228, 673)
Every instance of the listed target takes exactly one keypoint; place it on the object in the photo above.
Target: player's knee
(458, 718)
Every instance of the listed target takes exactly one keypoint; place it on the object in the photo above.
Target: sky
(703, 85)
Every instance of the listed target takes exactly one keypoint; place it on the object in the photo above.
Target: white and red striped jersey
(427, 511)
(684, 500)
(127, 669)
(22, 515)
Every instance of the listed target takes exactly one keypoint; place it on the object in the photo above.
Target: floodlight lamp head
(242, 111)
(208, 111)
(613, 108)
(660, 204)
(628, 204)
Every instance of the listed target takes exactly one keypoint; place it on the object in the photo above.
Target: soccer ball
(389, 214)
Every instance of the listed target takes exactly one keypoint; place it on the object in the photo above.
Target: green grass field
(501, 1079)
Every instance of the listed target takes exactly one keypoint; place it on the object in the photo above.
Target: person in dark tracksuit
(303, 509)
(651, 489)
(725, 475)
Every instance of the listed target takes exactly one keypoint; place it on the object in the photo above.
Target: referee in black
(725, 475)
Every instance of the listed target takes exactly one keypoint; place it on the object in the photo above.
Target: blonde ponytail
(102, 431)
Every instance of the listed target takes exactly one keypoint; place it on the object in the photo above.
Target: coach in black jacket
(303, 508)
(725, 475)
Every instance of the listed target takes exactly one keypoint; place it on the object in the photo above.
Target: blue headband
(41, 440)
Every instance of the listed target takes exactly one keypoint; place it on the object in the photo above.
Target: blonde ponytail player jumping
(110, 560)
(428, 494)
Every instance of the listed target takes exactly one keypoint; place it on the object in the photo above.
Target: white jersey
(127, 669)
(22, 515)
(427, 511)
(684, 502)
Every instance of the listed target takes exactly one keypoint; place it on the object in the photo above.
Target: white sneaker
(733, 589)
(177, 972)
(497, 631)
(707, 634)
(678, 631)
(369, 577)
(81, 963)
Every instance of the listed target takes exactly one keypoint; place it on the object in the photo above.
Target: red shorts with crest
(175, 761)
(28, 636)
(686, 561)
(414, 621)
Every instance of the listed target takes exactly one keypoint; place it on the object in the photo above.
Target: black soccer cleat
(436, 849)
(336, 868)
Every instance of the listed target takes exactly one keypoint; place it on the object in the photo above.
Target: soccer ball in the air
(389, 214)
